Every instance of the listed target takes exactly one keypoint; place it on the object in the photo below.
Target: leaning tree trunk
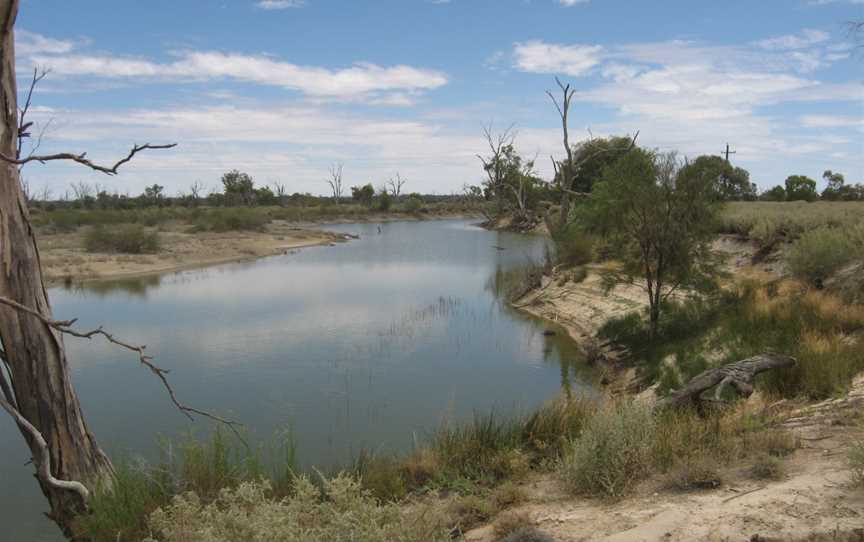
(36, 358)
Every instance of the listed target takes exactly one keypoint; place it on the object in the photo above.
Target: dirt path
(815, 500)
(64, 258)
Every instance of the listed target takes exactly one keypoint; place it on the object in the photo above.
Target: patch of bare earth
(64, 257)
(814, 500)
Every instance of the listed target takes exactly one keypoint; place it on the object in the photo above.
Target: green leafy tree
(658, 219)
(778, 193)
(592, 157)
(384, 200)
(239, 188)
(363, 194)
(730, 183)
(801, 187)
(265, 196)
(153, 195)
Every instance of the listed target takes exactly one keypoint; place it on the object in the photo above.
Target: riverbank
(65, 258)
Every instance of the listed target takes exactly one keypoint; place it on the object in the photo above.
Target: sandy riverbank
(65, 259)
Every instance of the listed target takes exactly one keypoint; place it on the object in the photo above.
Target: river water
(369, 344)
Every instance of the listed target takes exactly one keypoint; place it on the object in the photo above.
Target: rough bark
(36, 357)
(739, 375)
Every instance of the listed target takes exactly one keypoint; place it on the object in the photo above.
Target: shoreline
(65, 261)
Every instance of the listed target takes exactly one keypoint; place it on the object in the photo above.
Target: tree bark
(739, 375)
(36, 358)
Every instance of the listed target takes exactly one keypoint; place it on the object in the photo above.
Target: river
(369, 344)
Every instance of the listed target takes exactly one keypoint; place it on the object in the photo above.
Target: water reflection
(360, 345)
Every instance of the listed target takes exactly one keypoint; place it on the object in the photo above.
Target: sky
(283, 89)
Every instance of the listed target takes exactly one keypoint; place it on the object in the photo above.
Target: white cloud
(830, 121)
(360, 79)
(541, 57)
(806, 38)
(569, 3)
(280, 4)
(30, 43)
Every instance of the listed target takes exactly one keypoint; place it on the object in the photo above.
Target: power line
(728, 152)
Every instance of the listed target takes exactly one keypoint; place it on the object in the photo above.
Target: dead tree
(396, 185)
(738, 375)
(195, 190)
(335, 181)
(35, 384)
(494, 165)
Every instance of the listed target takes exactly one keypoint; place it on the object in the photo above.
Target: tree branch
(65, 326)
(43, 464)
(82, 158)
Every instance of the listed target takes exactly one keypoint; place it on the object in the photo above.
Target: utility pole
(728, 152)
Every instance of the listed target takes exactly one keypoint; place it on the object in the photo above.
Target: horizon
(281, 89)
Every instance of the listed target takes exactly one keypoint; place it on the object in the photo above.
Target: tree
(658, 217)
(731, 183)
(335, 181)
(567, 171)
(35, 384)
(396, 185)
(239, 188)
(778, 193)
(363, 194)
(495, 165)
(800, 187)
(195, 190)
(153, 194)
(385, 200)
(835, 186)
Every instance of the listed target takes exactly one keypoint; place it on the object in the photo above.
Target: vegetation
(821, 252)
(856, 463)
(125, 239)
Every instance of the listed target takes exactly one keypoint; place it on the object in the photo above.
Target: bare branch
(23, 125)
(82, 158)
(65, 326)
(43, 464)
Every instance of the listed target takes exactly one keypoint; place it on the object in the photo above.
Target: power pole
(728, 152)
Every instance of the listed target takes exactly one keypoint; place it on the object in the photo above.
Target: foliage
(343, 511)
(574, 246)
(594, 156)
(363, 194)
(659, 219)
(837, 190)
(819, 253)
(772, 220)
(612, 453)
(801, 188)
(856, 463)
(384, 201)
(124, 239)
(778, 193)
(413, 205)
(239, 188)
(730, 183)
(222, 220)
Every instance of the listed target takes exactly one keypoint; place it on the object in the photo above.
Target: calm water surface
(364, 345)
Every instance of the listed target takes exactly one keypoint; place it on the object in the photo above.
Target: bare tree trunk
(35, 356)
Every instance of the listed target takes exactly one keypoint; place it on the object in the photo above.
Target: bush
(856, 463)
(222, 220)
(413, 205)
(695, 473)
(613, 452)
(574, 247)
(125, 239)
(766, 467)
(821, 252)
(343, 512)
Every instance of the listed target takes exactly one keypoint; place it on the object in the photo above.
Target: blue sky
(284, 88)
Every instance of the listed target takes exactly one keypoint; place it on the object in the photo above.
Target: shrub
(613, 452)
(695, 473)
(343, 512)
(413, 205)
(512, 522)
(222, 220)
(126, 239)
(766, 467)
(821, 252)
(574, 246)
(527, 534)
(508, 494)
(856, 463)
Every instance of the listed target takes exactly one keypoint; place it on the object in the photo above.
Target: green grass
(764, 221)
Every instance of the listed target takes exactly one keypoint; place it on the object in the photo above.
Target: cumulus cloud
(542, 57)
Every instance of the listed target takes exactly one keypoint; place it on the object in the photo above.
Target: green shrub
(413, 205)
(124, 238)
(766, 467)
(819, 253)
(574, 246)
(343, 512)
(613, 452)
(231, 219)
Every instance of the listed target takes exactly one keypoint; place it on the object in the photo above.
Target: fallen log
(739, 375)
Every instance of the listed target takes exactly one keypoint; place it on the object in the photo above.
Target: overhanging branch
(82, 158)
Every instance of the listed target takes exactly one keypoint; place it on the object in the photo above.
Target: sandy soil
(64, 258)
(815, 500)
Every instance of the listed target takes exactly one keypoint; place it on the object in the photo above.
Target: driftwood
(739, 375)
